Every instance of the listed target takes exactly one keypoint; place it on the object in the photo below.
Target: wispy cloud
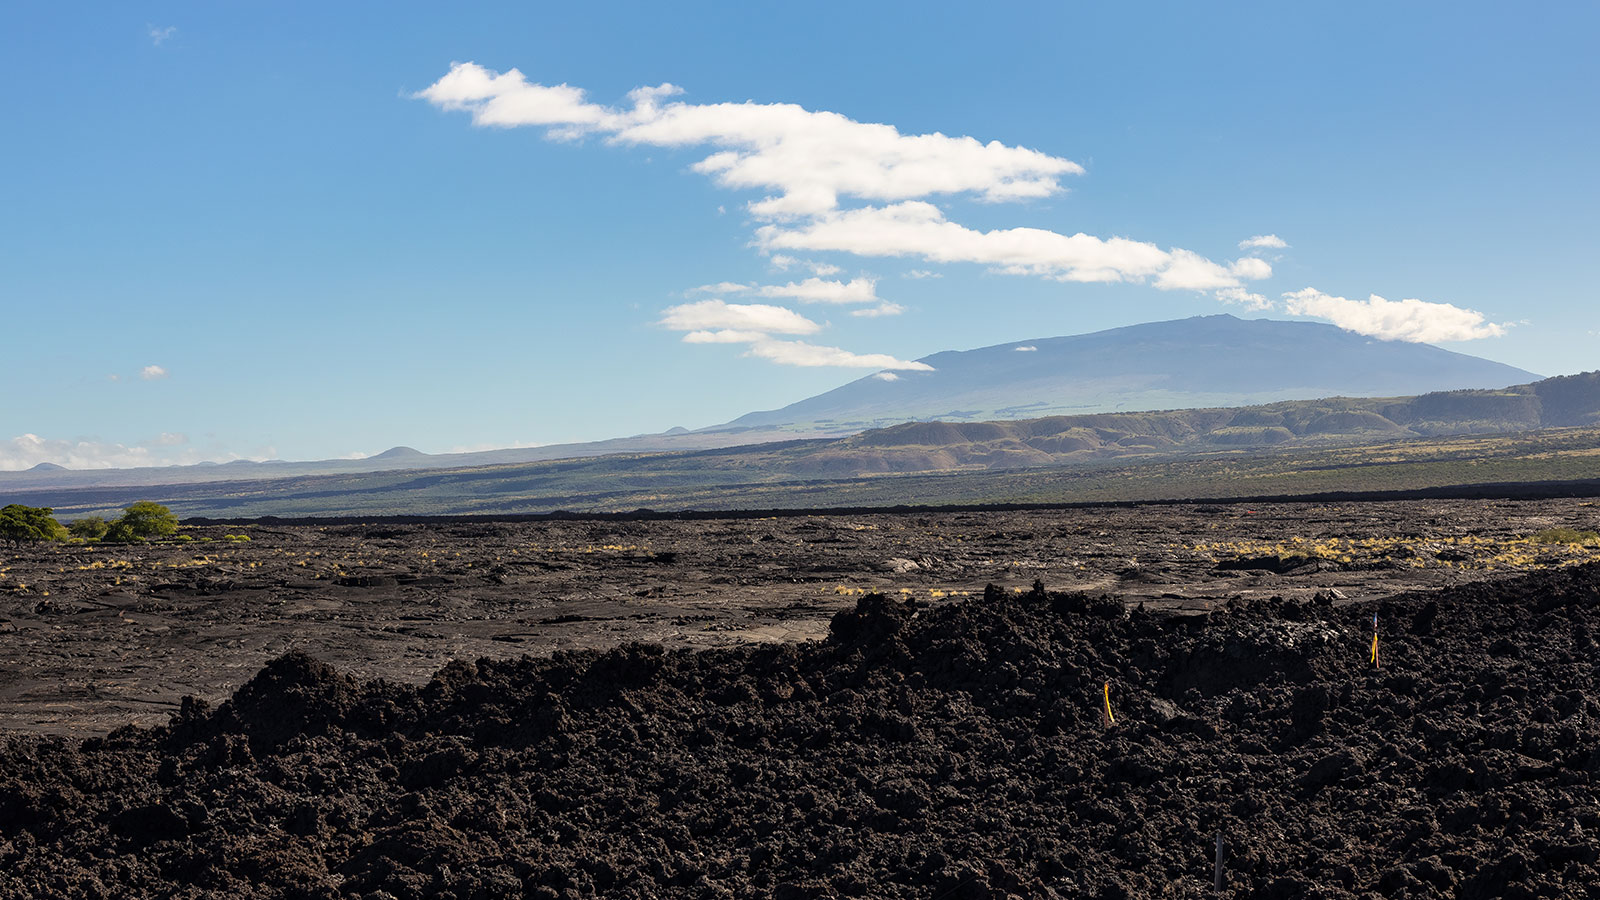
(754, 324)
(920, 230)
(160, 35)
(820, 290)
(720, 287)
(712, 315)
(1395, 320)
(882, 309)
(808, 159)
(152, 373)
(167, 449)
(830, 184)
(810, 290)
(1263, 242)
(799, 353)
(813, 161)
(1244, 298)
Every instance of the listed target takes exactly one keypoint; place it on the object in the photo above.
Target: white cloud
(808, 159)
(882, 309)
(724, 336)
(1026, 349)
(1244, 298)
(169, 449)
(887, 376)
(830, 184)
(799, 353)
(820, 290)
(159, 36)
(151, 373)
(716, 322)
(714, 315)
(1186, 270)
(919, 229)
(1251, 268)
(1394, 320)
(721, 287)
(113, 377)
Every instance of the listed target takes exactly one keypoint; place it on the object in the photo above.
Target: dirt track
(95, 638)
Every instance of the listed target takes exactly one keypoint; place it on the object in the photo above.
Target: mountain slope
(1198, 363)
(1563, 402)
(1546, 431)
(1206, 361)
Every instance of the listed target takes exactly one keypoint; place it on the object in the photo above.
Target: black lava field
(951, 751)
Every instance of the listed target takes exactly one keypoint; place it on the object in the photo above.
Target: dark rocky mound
(952, 752)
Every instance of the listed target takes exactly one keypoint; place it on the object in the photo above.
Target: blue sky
(316, 230)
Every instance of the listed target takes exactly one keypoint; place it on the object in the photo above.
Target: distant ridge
(1200, 362)
(1547, 431)
(401, 452)
(48, 467)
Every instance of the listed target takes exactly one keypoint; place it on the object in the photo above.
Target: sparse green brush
(1568, 536)
(237, 537)
(90, 528)
(120, 532)
(30, 523)
(148, 519)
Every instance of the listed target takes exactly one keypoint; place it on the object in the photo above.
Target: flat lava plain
(97, 637)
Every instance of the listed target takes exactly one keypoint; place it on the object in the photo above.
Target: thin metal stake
(1218, 875)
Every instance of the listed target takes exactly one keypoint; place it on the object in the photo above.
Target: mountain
(1198, 363)
(1206, 361)
(1547, 431)
(1571, 401)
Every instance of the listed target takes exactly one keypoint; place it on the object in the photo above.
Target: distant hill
(402, 453)
(1206, 361)
(1562, 402)
(1544, 431)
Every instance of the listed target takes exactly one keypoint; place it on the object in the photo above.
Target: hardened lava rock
(959, 751)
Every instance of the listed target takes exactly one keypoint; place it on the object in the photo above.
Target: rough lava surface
(952, 751)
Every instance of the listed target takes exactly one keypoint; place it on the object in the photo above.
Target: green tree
(120, 532)
(90, 528)
(30, 523)
(148, 519)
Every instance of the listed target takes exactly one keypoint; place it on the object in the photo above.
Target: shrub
(120, 532)
(237, 537)
(91, 528)
(1567, 536)
(149, 519)
(30, 523)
